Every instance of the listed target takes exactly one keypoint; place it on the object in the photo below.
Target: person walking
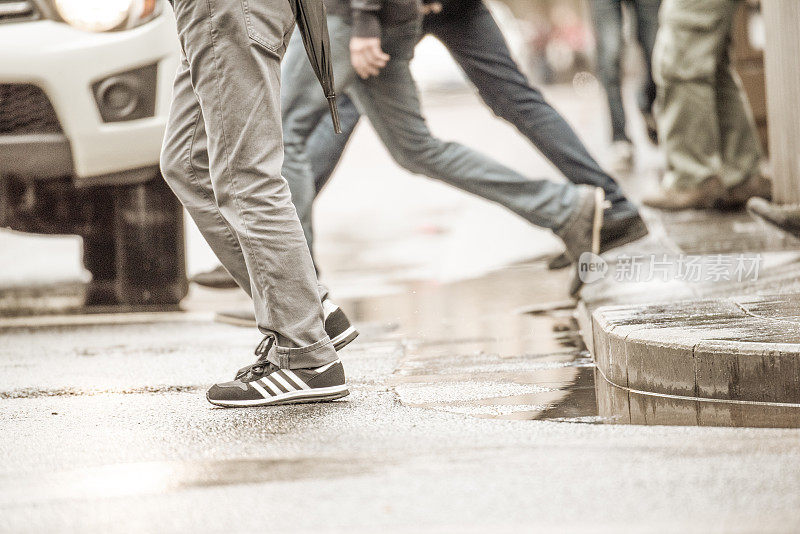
(222, 156)
(373, 43)
(607, 16)
(706, 127)
(470, 33)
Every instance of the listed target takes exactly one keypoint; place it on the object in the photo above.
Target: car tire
(134, 247)
(149, 239)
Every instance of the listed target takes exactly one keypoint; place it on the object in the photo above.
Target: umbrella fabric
(313, 26)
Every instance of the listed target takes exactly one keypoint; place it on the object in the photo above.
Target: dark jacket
(367, 16)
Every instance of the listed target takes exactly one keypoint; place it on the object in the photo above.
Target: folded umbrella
(313, 26)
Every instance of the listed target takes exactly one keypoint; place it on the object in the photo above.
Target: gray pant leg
(391, 102)
(233, 48)
(184, 164)
(705, 127)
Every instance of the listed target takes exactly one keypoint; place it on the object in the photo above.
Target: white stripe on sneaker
(328, 307)
(272, 387)
(276, 376)
(343, 335)
(258, 387)
(294, 378)
(325, 367)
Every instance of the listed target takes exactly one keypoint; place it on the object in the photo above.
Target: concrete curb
(731, 361)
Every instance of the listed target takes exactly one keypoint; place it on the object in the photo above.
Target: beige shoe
(704, 196)
(737, 196)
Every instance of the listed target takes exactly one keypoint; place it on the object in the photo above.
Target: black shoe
(784, 216)
(337, 325)
(622, 224)
(217, 278)
(264, 384)
(559, 262)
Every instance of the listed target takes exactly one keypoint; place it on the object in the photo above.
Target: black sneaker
(337, 325)
(264, 384)
(216, 278)
(622, 225)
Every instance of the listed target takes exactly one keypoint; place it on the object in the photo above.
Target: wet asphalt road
(105, 428)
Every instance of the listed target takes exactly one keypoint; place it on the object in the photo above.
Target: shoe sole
(345, 338)
(293, 397)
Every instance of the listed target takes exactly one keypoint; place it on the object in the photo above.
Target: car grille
(25, 109)
(17, 11)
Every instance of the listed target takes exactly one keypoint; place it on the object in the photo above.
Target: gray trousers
(704, 119)
(391, 102)
(222, 157)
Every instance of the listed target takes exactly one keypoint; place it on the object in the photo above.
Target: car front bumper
(66, 63)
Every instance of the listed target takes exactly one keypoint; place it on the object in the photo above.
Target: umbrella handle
(337, 127)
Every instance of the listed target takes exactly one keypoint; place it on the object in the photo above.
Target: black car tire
(135, 247)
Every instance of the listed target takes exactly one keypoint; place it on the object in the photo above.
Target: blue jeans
(607, 16)
(391, 103)
(478, 46)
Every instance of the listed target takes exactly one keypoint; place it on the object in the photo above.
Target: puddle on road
(492, 347)
(471, 350)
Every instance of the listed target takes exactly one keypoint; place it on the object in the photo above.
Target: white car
(85, 88)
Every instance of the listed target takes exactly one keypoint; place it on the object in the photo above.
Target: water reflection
(491, 347)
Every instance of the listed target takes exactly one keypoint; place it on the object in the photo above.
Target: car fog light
(119, 97)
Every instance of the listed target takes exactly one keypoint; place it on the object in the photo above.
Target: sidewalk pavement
(699, 324)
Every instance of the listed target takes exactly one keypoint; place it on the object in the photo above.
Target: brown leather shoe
(704, 196)
(737, 196)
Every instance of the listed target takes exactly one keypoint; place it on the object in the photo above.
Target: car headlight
(106, 15)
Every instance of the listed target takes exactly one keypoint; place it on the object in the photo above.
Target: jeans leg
(646, 12)
(325, 148)
(478, 46)
(234, 62)
(607, 17)
(304, 115)
(391, 102)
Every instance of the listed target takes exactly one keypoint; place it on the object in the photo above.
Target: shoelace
(261, 366)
